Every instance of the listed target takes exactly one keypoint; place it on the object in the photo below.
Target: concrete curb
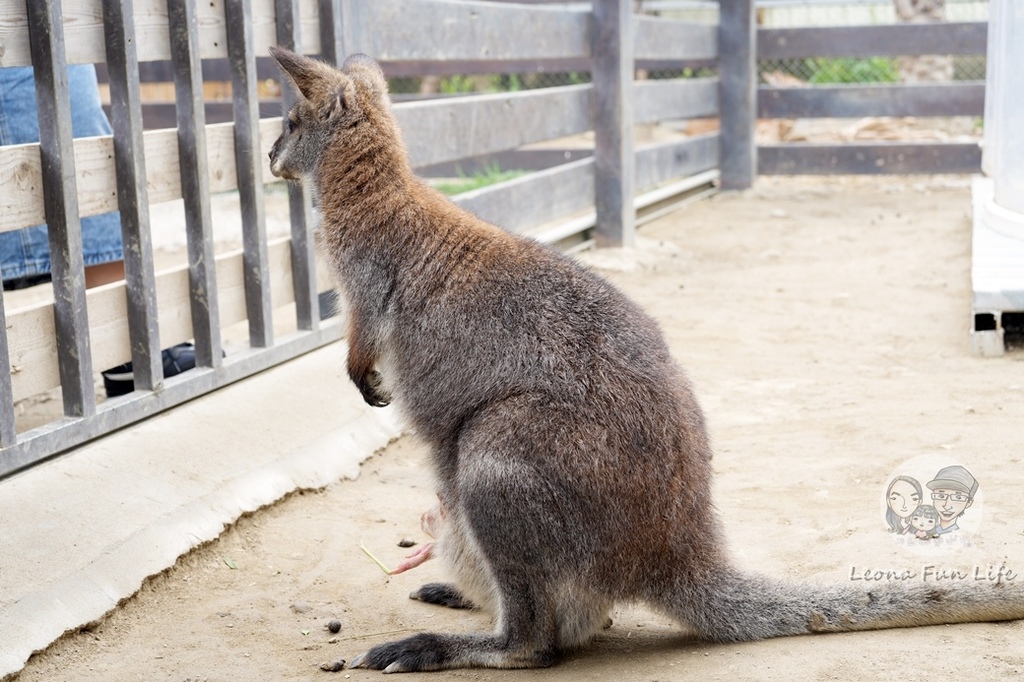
(83, 532)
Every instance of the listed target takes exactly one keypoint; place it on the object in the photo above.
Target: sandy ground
(824, 323)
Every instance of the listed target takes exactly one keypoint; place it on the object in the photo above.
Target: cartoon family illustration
(952, 493)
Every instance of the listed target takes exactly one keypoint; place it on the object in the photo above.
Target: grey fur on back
(569, 452)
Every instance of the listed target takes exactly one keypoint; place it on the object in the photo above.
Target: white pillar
(1003, 144)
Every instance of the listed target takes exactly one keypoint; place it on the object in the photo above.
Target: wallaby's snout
(273, 157)
(276, 167)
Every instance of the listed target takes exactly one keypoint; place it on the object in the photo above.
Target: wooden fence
(61, 343)
(854, 101)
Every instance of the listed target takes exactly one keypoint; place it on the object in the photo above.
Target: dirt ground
(825, 325)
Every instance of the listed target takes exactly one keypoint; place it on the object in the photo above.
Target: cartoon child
(902, 498)
(953, 490)
(924, 520)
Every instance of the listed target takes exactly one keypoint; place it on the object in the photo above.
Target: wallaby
(571, 457)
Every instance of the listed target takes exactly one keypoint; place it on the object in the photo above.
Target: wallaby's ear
(339, 100)
(318, 82)
(370, 70)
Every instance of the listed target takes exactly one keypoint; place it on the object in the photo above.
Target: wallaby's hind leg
(487, 538)
(525, 638)
(442, 594)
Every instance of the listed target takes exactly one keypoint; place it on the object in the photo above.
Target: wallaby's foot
(442, 594)
(429, 651)
(371, 385)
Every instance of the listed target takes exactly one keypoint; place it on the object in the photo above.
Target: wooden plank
(737, 76)
(84, 33)
(473, 30)
(854, 101)
(132, 196)
(247, 168)
(442, 130)
(513, 159)
(614, 162)
(659, 163)
(666, 39)
(533, 199)
(394, 28)
(31, 330)
(412, 68)
(21, 203)
(84, 30)
(675, 99)
(216, 70)
(60, 196)
(870, 159)
(968, 38)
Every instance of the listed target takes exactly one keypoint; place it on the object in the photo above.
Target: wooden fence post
(737, 77)
(614, 162)
(342, 29)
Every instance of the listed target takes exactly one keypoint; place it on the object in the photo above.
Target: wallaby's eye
(292, 124)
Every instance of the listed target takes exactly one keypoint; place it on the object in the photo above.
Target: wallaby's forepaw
(442, 594)
(371, 385)
(419, 652)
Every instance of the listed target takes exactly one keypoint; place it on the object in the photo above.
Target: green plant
(491, 174)
(458, 83)
(848, 70)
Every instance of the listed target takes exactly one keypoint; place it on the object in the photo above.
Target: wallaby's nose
(273, 155)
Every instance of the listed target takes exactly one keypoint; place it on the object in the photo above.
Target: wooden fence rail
(855, 101)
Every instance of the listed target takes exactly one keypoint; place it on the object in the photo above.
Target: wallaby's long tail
(743, 606)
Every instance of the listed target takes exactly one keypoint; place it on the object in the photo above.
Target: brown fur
(570, 454)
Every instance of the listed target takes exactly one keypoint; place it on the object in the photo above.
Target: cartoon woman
(924, 520)
(902, 498)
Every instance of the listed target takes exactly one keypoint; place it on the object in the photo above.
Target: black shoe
(26, 282)
(120, 380)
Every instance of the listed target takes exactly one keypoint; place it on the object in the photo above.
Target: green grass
(489, 175)
(847, 70)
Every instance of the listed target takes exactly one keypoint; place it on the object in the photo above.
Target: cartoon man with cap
(953, 491)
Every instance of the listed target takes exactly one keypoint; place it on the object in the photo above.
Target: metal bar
(46, 441)
(737, 77)
(967, 38)
(8, 434)
(851, 101)
(614, 162)
(869, 159)
(307, 300)
(195, 179)
(132, 195)
(249, 170)
(60, 196)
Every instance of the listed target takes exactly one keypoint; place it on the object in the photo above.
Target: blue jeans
(26, 252)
